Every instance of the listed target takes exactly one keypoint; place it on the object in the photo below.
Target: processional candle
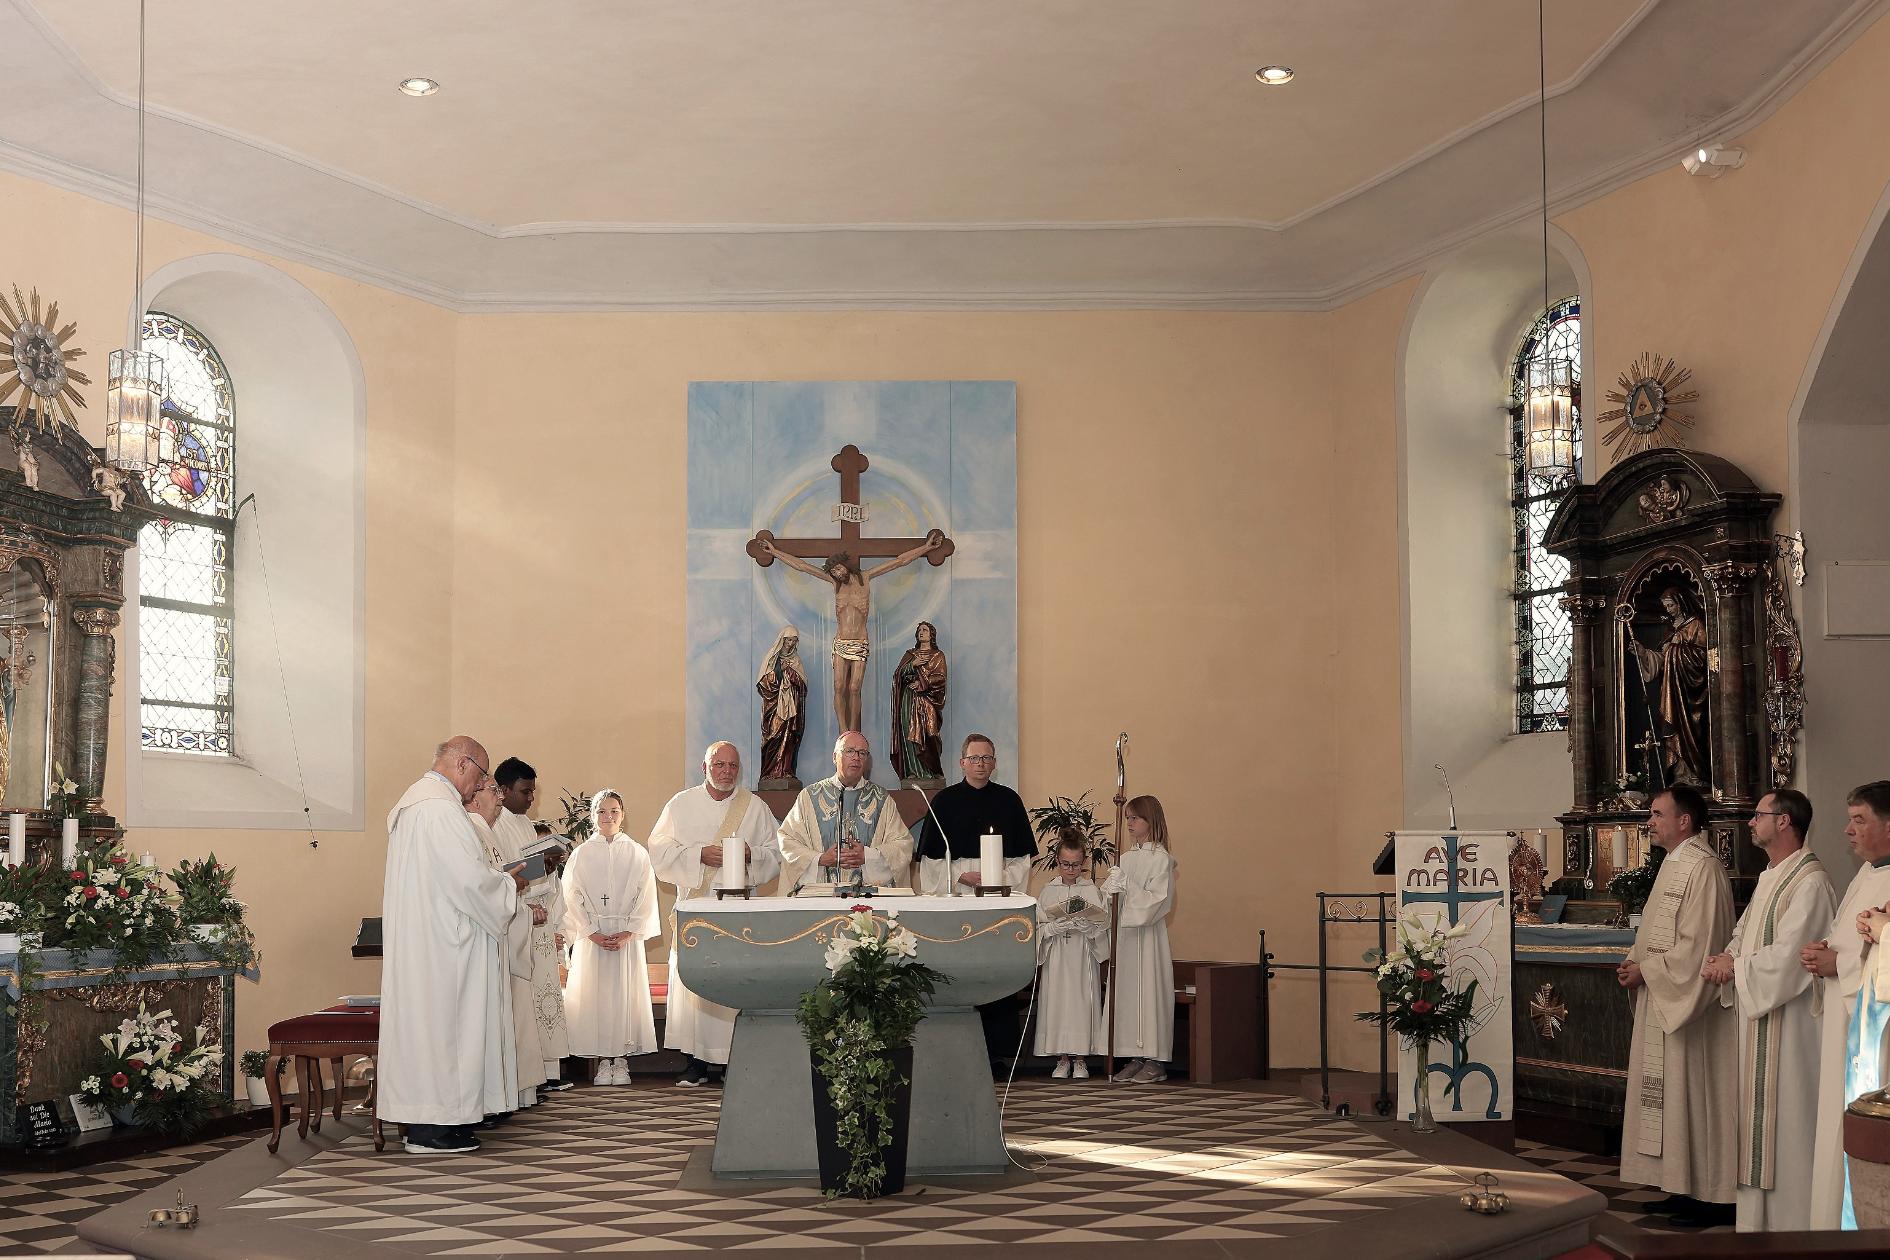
(991, 859)
(69, 842)
(16, 839)
(734, 863)
(1620, 848)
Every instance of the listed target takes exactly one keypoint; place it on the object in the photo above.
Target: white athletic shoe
(1079, 1069)
(1151, 1072)
(623, 1073)
(606, 1073)
(1129, 1071)
(1061, 1072)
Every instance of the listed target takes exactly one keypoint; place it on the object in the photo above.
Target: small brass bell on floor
(184, 1215)
(1486, 1198)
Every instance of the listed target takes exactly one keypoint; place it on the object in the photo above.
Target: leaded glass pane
(186, 650)
(1544, 640)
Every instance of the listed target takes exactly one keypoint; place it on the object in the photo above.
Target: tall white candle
(991, 859)
(1542, 848)
(69, 842)
(1620, 848)
(734, 863)
(147, 859)
(16, 839)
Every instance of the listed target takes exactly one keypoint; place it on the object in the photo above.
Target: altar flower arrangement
(148, 1075)
(1419, 1003)
(207, 904)
(859, 1023)
(114, 902)
(64, 801)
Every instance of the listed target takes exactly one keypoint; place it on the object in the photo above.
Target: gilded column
(1732, 582)
(1583, 610)
(91, 731)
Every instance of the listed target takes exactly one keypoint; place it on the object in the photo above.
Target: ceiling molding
(282, 204)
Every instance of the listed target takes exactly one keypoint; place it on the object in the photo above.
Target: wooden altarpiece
(1664, 531)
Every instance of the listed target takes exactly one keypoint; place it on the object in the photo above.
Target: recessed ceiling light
(427, 87)
(1274, 76)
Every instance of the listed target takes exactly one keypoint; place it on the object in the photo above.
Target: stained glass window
(1544, 640)
(186, 652)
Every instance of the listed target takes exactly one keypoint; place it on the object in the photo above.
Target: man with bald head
(695, 838)
(446, 1025)
(845, 824)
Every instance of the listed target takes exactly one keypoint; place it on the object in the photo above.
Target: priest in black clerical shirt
(948, 857)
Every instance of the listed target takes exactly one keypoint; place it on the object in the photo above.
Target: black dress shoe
(493, 1122)
(1704, 1216)
(438, 1139)
(1671, 1204)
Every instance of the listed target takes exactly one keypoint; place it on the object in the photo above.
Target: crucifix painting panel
(852, 564)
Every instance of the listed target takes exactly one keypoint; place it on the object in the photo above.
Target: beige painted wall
(1208, 532)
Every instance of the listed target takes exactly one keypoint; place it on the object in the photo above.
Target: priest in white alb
(1681, 1127)
(518, 835)
(444, 1026)
(1764, 981)
(704, 834)
(524, 1063)
(1844, 961)
(843, 825)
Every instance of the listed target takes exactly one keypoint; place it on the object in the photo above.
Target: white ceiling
(976, 153)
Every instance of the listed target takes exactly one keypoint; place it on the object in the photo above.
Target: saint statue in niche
(783, 687)
(918, 711)
(1674, 678)
(852, 607)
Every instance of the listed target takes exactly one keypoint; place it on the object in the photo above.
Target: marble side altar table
(760, 956)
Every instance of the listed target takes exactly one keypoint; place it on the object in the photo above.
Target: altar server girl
(1072, 942)
(610, 910)
(1145, 968)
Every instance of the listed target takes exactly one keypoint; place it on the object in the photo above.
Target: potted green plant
(1064, 816)
(575, 823)
(1419, 1003)
(254, 1065)
(207, 904)
(148, 1076)
(1633, 887)
(859, 1024)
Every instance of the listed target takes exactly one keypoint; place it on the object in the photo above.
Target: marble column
(1732, 604)
(91, 732)
(1583, 611)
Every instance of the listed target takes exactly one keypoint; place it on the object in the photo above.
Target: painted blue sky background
(943, 454)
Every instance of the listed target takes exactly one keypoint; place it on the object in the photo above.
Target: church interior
(1411, 442)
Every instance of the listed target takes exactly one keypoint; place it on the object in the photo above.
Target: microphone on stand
(1449, 796)
(953, 884)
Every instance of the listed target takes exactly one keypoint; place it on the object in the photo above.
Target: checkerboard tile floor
(1626, 1203)
(39, 1210)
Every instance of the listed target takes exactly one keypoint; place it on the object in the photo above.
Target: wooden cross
(849, 463)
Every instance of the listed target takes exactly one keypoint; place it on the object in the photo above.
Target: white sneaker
(623, 1073)
(1079, 1069)
(605, 1072)
(1151, 1072)
(1061, 1072)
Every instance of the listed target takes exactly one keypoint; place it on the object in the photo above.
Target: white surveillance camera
(1712, 161)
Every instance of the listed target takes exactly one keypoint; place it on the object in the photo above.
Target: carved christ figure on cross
(852, 604)
(851, 582)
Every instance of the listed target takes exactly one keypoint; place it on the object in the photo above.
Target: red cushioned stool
(332, 1034)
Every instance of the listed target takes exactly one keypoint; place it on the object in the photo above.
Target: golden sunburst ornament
(35, 364)
(1649, 414)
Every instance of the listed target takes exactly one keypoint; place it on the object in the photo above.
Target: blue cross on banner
(1454, 895)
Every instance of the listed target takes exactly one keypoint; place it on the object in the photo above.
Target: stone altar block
(760, 956)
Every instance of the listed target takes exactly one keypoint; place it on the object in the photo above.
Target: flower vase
(125, 1116)
(1422, 1120)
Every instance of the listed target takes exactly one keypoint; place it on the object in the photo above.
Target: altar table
(760, 956)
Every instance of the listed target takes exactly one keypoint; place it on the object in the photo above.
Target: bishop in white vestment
(1844, 961)
(445, 1033)
(610, 910)
(690, 848)
(843, 824)
(1681, 1127)
(1775, 998)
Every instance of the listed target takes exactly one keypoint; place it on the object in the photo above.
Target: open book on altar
(844, 890)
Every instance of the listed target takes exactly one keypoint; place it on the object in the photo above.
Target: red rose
(118, 860)
(1420, 1007)
(120, 1080)
(857, 909)
(137, 1065)
(79, 875)
(176, 1047)
(91, 894)
(1425, 973)
(124, 894)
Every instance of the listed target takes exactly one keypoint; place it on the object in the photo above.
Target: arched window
(1552, 346)
(186, 657)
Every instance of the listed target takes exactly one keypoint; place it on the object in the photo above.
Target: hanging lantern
(1549, 416)
(134, 395)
